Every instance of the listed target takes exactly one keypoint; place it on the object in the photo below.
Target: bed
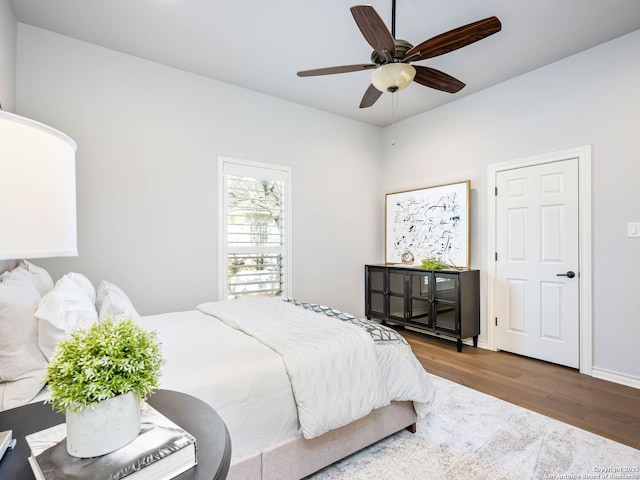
(298, 385)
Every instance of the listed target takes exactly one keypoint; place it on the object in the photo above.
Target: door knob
(569, 274)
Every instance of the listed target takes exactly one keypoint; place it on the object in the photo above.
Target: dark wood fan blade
(340, 69)
(373, 29)
(454, 39)
(370, 97)
(430, 77)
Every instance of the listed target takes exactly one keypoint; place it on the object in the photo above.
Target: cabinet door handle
(569, 274)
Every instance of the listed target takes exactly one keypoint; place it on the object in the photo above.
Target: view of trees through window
(255, 236)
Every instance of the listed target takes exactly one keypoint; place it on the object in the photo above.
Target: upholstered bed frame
(296, 458)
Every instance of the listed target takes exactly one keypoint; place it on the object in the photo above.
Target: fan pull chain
(394, 106)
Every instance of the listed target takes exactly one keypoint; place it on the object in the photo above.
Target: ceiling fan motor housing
(402, 47)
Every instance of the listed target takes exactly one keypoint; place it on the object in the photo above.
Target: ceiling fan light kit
(391, 57)
(393, 77)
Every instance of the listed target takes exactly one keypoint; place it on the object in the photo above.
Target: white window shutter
(255, 234)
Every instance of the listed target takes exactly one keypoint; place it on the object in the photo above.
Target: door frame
(585, 263)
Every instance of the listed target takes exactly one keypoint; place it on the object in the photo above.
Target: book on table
(7, 442)
(161, 451)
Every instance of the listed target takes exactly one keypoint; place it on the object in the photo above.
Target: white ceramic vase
(103, 427)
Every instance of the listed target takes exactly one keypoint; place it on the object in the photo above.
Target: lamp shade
(392, 76)
(37, 190)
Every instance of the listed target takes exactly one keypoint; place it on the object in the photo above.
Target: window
(254, 220)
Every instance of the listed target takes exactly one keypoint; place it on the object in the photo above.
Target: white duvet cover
(272, 369)
(242, 379)
(332, 365)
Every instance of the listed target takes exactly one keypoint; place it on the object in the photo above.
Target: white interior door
(537, 243)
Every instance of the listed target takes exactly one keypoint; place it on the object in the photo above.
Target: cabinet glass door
(377, 297)
(445, 316)
(396, 294)
(446, 293)
(376, 303)
(376, 279)
(446, 286)
(396, 282)
(420, 294)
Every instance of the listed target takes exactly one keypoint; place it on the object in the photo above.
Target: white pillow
(112, 302)
(66, 308)
(22, 365)
(41, 278)
(79, 281)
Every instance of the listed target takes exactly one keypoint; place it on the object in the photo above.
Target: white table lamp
(37, 190)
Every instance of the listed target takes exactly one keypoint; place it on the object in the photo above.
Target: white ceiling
(260, 45)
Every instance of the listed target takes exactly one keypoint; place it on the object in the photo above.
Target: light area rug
(471, 435)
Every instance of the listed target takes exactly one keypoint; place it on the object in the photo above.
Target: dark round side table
(192, 414)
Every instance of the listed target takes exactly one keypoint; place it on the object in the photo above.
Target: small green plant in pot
(433, 263)
(101, 374)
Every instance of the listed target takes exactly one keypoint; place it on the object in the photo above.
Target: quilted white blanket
(338, 374)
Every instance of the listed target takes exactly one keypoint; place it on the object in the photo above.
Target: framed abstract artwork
(428, 222)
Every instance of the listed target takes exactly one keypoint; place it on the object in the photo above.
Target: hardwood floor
(608, 409)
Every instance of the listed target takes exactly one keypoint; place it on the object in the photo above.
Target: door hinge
(496, 191)
(496, 256)
(496, 321)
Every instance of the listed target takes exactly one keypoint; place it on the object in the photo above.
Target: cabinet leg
(475, 341)
(459, 342)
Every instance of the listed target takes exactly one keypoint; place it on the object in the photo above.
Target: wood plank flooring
(605, 408)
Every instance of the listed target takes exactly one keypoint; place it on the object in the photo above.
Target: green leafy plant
(433, 263)
(108, 359)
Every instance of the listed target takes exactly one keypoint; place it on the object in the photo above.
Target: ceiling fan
(391, 57)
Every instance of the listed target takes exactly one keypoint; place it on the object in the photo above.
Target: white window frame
(235, 166)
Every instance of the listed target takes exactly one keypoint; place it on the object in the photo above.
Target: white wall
(148, 139)
(8, 38)
(591, 98)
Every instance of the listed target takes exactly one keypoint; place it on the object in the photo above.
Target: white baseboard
(469, 341)
(616, 377)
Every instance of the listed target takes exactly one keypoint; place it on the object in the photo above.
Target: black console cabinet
(443, 302)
